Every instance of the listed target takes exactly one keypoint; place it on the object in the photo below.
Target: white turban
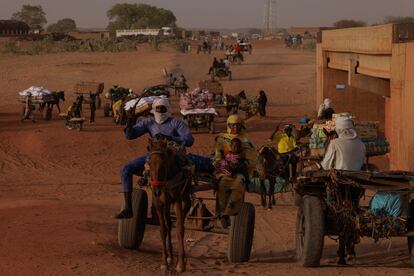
(345, 128)
(161, 117)
(327, 103)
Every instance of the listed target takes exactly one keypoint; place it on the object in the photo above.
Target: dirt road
(59, 189)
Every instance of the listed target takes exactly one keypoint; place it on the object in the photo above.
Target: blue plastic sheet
(386, 204)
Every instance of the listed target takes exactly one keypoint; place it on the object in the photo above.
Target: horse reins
(157, 183)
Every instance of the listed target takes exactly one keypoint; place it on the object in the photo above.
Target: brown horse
(270, 165)
(170, 185)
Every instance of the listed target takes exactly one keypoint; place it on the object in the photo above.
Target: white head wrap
(345, 128)
(161, 117)
(327, 103)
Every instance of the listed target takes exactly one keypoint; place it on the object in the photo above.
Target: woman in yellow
(231, 188)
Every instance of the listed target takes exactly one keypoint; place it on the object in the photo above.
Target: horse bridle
(157, 183)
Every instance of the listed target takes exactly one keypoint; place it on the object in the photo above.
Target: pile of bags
(197, 99)
(141, 104)
(39, 94)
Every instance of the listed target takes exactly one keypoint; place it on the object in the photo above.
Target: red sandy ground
(60, 188)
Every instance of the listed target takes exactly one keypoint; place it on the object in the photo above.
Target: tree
(348, 23)
(64, 25)
(34, 16)
(129, 16)
(398, 19)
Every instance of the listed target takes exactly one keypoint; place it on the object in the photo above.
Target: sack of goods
(39, 94)
(141, 104)
(196, 99)
(214, 87)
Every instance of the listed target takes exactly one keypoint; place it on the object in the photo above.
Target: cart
(42, 97)
(72, 123)
(89, 87)
(199, 218)
(200, 118)
(329, 206)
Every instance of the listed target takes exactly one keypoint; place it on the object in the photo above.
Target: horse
(170, 185)
(57, 96)
(270, 165)
(233, 102)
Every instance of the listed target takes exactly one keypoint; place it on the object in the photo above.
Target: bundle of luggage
(214, 87)
(141, 104)
(38, 94)
(367, 132)
(197, 99)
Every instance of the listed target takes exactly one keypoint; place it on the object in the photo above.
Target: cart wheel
(106, 109)
(211, 128)
(46, 113)
(239, 61)
(23, 110)
(410, 230)
(131, 231)
(241, 234)
(79, 126)
(69, 125)
(310, 225)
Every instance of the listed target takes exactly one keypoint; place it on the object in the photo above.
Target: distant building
(91, 35)
(13, 28)
(306, 31)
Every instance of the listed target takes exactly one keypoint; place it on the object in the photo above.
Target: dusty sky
(224, 13)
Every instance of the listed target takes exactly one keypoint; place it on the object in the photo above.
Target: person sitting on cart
(226, 64)
(347, 152)
(161, 125)
(213, 66)
(286, 146)
(231, 188)
(234, 161)
(182, 81)
(325, 111)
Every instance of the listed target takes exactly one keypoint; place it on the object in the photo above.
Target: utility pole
(270, 16)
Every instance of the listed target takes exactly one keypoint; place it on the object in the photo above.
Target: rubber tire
(310, 216)
(241, 234)
(410, 227)
(22, 110)
(131, 231)
(106, 110)
(211, 127)
(79, 126)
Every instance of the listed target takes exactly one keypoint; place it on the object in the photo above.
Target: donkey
(170, 185)
(270, 165)
(58, 96)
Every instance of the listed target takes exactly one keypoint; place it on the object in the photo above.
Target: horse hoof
(342, 261)
(164, 268)
(169, 260)
(179, 269)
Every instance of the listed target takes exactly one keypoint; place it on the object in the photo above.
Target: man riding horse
(161, 125)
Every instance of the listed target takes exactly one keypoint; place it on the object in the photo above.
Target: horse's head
(160, 161)
(61, 95)
(242, 95)
(270, 160)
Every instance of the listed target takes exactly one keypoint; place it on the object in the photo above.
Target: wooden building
(369, 72)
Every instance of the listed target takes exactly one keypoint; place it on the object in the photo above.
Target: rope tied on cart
(342, 203)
